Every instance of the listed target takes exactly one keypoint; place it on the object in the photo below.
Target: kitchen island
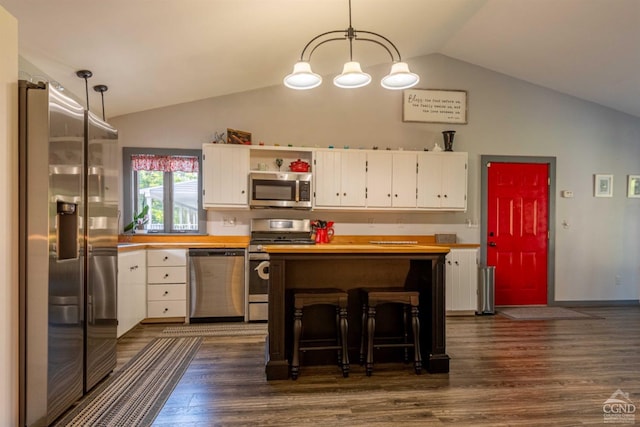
(351, 267)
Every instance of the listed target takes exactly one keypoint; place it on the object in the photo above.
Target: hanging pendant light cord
(102, 89)
(350, 34)
(85, 74)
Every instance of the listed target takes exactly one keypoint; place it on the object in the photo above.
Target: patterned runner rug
(135, 394)
(215, 330)
(542, 313)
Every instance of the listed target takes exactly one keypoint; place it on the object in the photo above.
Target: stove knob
(259, 248)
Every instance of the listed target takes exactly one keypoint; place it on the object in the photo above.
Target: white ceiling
(153, 53)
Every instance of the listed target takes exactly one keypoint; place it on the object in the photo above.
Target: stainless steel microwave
(280, 190)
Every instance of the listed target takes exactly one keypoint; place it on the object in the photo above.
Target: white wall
(8, 219)
(506, 117)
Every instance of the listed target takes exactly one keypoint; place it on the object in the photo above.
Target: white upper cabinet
(340, 178)
(391, 179)
(225, 175)
(442, 181)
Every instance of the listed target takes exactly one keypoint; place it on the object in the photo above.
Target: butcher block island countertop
(350, 266)
(385, 248)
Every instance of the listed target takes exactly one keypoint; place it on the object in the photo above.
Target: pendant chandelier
(352, 75)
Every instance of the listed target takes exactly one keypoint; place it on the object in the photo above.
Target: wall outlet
(618, 280)
(229, 222)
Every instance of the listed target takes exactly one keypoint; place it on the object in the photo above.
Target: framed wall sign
(633, 186)
(435, 106)
(603, 186)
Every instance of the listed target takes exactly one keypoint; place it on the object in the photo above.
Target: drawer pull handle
(165, 258)
(165, 310)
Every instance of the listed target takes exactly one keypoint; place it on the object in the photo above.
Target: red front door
(517, 231)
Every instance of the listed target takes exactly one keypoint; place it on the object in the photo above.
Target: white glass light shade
(400, 77)
(352, 76)
(302, 77)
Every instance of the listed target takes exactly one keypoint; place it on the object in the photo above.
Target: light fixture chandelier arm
(382, 44)
(319, 36)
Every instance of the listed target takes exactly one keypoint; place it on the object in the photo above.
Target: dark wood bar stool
(371, 299)
(305, 298)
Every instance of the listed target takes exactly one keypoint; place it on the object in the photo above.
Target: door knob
(492, 244)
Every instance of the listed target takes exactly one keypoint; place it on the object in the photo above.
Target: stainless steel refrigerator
(68, 252)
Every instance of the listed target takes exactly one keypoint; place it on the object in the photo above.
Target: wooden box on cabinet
(166, 284)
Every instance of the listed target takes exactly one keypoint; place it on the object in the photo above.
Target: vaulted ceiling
(163, 52)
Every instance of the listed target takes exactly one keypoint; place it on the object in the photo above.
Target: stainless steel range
(270, 232)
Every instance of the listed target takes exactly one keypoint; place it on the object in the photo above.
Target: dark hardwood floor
(503, 373)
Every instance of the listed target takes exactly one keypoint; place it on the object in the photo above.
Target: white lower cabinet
(461, 283)
(132, 292)
(166, 283)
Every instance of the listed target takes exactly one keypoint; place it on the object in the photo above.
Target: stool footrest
(321, 347)
(393, 345)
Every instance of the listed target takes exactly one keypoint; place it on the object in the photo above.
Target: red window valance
(152, 162)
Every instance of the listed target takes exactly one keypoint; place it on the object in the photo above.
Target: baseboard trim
(592, 303)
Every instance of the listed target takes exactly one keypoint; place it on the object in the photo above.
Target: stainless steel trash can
(486, 290)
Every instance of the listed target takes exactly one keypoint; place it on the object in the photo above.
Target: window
(169, 182)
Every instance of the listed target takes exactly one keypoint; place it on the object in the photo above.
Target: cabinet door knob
(439, 196)
(337, 194)
(445, 196)
(388, 194)
(344, 194)
(242, 191)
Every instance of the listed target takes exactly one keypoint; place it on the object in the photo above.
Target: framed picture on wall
(603, 186)
(435, 106)
(633, 186)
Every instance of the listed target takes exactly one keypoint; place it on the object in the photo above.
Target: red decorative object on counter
(323, 230)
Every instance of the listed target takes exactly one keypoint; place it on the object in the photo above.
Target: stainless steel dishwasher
(216, 284)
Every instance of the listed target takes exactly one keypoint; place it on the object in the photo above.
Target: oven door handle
(260, 256)
(263, 270)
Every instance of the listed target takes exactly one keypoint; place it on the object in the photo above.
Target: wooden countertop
(128, 242)
(339, 244)
(335, 248)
